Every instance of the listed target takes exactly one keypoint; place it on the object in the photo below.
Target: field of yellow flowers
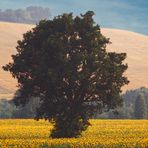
(29, 133)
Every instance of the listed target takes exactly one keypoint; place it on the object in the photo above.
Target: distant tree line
(9, 110)
(30, 15)
(135, 104)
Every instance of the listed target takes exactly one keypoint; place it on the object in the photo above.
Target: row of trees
(9, 110)
(137, 100)
(135, 104)
(28, 110)
(140, 111)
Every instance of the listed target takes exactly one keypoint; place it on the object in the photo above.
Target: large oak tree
(64, 62)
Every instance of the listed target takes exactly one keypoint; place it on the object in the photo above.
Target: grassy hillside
(134, 44)
(136, 47)
(9, 34)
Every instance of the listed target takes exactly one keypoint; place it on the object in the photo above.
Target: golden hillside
(134, 44)
(9, 34)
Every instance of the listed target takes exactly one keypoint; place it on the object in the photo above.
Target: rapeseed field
(28, 133)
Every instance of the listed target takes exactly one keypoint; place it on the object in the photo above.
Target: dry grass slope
(134, 44)
(9, 34)
(136, 47)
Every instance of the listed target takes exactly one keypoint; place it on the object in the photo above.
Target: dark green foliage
(64, 62)
(75, 126)
(140, 107)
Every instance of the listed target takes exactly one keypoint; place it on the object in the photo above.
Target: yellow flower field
(29, 133)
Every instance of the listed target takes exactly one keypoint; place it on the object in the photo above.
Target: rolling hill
(9, 34)
(134, 44)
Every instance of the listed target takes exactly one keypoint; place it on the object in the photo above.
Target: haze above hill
(134, 44)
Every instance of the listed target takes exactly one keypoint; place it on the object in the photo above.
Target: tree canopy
(64, 62)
